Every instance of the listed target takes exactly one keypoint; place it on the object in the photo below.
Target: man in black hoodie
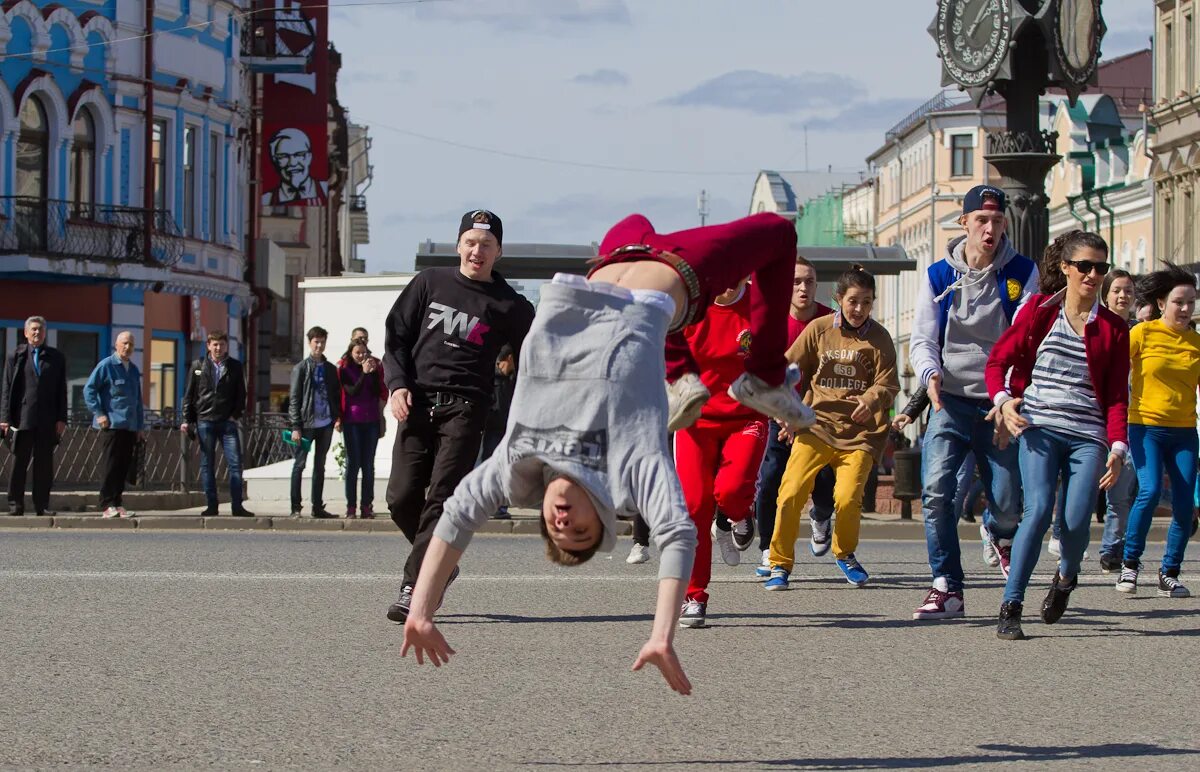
(442, 339)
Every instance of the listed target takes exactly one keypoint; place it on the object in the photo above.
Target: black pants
(37, 444)
(118, 455)
(434, 449)
(321, 440)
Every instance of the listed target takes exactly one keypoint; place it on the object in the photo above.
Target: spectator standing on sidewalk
(504, 382)
(443, 336)
(213, 401)
(314, 406)
(113, 395)
(363, 395)
(33, 402)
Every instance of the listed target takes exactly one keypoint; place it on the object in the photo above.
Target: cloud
(767, 94)
(873, 115)
(539, 16)
(602, 77)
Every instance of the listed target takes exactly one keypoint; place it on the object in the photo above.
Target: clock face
(1076, 32)
(973, 37)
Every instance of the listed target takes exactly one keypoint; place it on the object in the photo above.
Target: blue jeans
(225, 432)
(1047, 454)
(1152, 448)
(1120, 501)
(960, 427)
(360, 440)
(770, 474)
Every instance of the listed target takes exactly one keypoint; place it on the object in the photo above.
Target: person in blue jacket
(114, 397)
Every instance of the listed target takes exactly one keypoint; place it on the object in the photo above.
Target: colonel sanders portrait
(291, 154)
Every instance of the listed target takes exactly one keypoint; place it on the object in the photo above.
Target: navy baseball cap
(984, 197)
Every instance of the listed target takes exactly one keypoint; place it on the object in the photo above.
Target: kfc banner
(295, 150)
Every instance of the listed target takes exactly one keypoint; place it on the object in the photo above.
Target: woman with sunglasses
(1165, 356)
(1066, 400)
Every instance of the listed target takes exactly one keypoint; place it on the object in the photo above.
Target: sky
(562, 116)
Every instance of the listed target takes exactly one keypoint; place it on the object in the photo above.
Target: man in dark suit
(33, 401)
(213, 401)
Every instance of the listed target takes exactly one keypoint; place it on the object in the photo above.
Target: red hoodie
(719, 343)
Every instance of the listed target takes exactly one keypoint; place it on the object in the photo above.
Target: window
(1125, 255)
(1141, 256)
(1186, 218)
(962, 155)
(1168, 61)
(163, 376)
(83, 167)
(214, 197)
(1168, 226)
(158, 158)
(32, 176)
(1189, 54)
(189, 181)
(82, 351)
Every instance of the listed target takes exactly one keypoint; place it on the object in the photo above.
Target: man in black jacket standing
(213, 402)
(443, 335)
(33, 401)
(314, 407)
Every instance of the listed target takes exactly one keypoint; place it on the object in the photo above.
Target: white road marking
(293, 577)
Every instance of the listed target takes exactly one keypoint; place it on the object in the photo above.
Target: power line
(203, 24)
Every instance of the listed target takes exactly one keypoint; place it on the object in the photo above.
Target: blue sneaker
(778, 580)
(855, 573)
(763, 569)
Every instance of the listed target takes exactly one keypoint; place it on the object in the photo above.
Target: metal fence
(172, 460)
(40, 226)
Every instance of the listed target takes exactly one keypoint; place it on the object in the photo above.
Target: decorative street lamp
(1017, 48)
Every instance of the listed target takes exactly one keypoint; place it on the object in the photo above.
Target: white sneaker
(779, 402)
(763, 569)
(1054, 547)
(990, 556)
(724, 540)
(685, 399)
(111, 512)
(639, 554)
(123, 512)
(819, 541)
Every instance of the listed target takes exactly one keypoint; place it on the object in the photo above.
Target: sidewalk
(273, 516)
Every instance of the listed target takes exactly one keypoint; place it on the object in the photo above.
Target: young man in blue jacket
(113, 395)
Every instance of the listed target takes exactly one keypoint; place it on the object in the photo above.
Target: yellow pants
(809, 456)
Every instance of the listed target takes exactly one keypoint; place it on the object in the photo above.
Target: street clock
(973, 38)
(1075, 35)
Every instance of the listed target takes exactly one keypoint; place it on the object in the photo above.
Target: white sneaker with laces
(685, 399)
(990, 556)
(724, 540)
(638, 554)
(1054, 547)
(123, 512)
(111, 512)
(819, 541)
(763, 569)
(779, 402)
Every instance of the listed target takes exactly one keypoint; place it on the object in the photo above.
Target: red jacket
(720, 343)
(1105, 339)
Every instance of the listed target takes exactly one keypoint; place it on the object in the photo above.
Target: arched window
(33, 151)
(83, 167)
(1125, 255)
(1141, 256)
(32, 176)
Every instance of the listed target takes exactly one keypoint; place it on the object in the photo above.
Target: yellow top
(1165, 370)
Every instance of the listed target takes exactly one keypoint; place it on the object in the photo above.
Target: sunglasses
(1087, 266)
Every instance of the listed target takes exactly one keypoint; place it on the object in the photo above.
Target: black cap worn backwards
(983, 197)
(484, 221)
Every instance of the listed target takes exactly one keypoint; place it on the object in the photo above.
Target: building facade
(1175, 119)
(123, 190)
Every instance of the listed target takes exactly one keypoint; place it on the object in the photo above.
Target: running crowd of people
(1037, 374)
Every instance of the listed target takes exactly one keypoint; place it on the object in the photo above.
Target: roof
(791, 189)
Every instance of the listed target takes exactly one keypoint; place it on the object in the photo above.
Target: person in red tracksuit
(717, 457)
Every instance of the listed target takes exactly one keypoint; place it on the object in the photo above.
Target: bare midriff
(645, 275)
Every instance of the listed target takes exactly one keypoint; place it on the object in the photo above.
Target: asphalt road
(270, 650)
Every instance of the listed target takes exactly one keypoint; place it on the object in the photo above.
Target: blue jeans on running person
(1046, 455)
(958, 428)
(1152, 448)
(360, 440)
(1116, 516)
(770, 474)
(224, 432)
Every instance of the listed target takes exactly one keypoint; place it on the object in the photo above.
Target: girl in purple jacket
(363, 394)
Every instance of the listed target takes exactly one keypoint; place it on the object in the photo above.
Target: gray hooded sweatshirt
(589, 405)
(973, 326)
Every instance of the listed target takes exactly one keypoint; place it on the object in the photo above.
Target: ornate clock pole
(1017, 48)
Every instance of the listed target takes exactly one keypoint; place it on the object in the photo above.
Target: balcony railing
(39, 226)
(264, 50)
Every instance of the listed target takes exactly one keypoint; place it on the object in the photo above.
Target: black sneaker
(693, 613)
(1169, 585)
(1056, 600)
(322, 514)
(1009, 626)
(209, 512)
(744, 533)
(1110, 564)
(398, 611)
(242, 512)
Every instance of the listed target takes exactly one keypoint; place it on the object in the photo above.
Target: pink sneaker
(941, 605)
